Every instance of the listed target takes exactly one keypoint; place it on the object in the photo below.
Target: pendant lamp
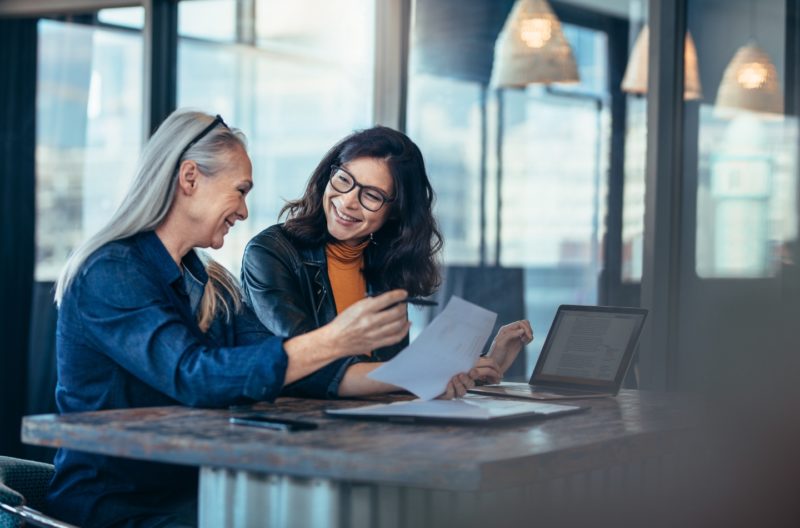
(531, 48)
(635, 78)
(750, 82)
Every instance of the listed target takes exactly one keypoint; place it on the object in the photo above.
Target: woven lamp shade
(750, 82)
(531, 48)
(635, 78)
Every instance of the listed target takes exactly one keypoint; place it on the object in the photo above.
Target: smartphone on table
(272, 422)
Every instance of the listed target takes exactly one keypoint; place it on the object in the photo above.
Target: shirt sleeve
(140, 329)
(321, 384)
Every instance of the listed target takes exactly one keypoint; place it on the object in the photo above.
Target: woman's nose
(350, 199)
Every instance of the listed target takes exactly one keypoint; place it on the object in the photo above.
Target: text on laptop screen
(589, 345)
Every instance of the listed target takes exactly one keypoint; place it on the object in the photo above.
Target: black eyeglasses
(371, 198)
(217, 120)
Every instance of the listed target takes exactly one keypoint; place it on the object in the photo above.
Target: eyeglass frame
(361, 187)
(203, 133)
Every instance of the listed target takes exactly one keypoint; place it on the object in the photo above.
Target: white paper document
(452, 343)
(469, 408)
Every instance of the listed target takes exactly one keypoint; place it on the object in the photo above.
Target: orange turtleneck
(344, 271)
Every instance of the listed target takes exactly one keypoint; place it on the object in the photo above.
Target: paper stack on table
(470, 408)
(452, 343)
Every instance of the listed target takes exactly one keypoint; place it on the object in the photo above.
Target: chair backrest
(42, 375)
(495, 288)
(23, 486)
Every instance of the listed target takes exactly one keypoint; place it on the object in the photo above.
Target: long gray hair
(152, 191)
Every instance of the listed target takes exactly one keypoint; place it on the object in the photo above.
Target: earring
(372, 239)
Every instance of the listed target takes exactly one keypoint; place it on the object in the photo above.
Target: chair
(23, 484)
(499, 289)
(42, 375)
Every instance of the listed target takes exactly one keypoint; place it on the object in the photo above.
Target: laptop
(586, 355)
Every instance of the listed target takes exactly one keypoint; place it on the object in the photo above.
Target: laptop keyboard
(533, 392)
(529, 392)
(528, 389)
(557, 391)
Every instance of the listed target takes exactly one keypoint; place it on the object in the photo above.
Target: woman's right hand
(369, 324)
(486, 369)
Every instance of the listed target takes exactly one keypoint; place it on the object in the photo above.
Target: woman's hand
(371, 323)
(485, 370)
(457, 386)
(510, 339)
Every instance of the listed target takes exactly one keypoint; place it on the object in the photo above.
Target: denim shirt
(127, 336)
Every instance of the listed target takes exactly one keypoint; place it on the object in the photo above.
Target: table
(364, 473)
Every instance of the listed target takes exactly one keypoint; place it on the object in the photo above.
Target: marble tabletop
(434, 456)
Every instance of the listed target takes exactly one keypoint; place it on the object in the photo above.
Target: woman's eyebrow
(382, 191)
(347, 171)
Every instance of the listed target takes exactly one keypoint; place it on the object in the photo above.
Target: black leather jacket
(288, 288)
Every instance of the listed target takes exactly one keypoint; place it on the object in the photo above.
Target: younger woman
(364, 226)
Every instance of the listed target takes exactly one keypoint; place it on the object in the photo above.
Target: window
(288, 77)
(445, 122)
(555, 170)
(542, 203)
(746, 206)
(89, 129)
(633, 189)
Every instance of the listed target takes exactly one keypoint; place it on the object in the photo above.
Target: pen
(417, 301)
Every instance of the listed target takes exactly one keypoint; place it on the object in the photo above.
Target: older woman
(364, 225)
(144, 320)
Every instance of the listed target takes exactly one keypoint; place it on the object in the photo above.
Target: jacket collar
(159, 258)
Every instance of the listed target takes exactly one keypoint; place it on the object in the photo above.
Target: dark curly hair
(405, 248)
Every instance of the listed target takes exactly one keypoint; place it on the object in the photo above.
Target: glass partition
(746, 146)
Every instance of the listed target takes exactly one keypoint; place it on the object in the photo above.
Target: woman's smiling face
(219, 200)
(347, 219)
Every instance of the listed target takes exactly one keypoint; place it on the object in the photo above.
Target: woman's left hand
(508, 342)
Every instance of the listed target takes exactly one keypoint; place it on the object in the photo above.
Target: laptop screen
(589, 346)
